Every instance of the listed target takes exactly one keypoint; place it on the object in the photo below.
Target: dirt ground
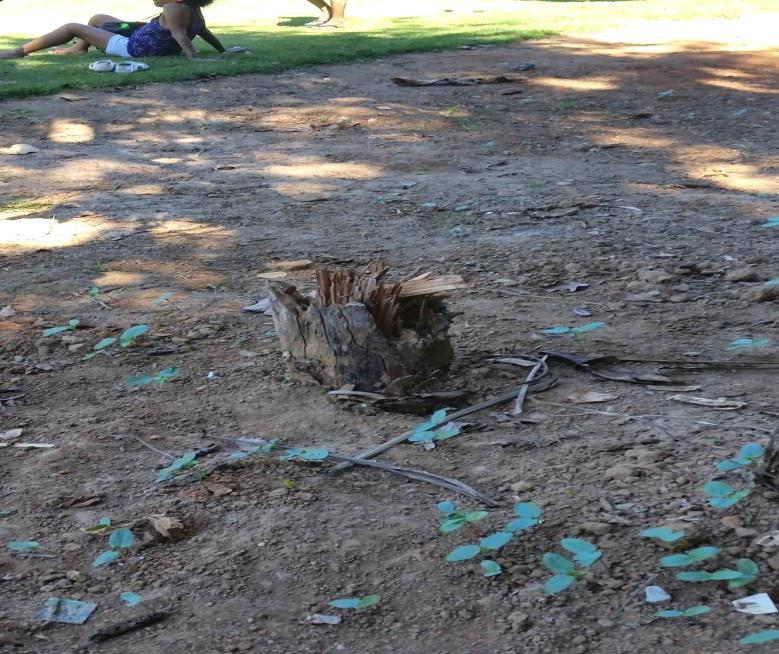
(644, 171)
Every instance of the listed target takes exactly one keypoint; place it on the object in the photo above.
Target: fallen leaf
(10, 434)
(319, 618)
(299, 264)
(164, 524)
(29, 446)
(769, 540)
(675, 389)
(571, 287)
(20, 148)
(719, 403)
(759, 604)
(651, 296)
(277, 274)
(219, 490)
(70, 97)
(592, 397)
(263, 306)
(80, 502)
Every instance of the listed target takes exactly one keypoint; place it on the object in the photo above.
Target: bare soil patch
(643, 171)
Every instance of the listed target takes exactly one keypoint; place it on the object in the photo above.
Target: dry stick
(411, 473)
(517, 410)
(462, 413)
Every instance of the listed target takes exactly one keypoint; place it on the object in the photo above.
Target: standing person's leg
(92, 35)
(324, 10)
(337, 10)
(81, 46)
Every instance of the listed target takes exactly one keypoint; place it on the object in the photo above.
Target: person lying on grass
(170, 33)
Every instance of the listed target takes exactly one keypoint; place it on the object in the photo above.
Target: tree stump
(363, 333)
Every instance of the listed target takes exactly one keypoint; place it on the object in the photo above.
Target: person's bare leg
(337, 18)
(81, 46)
(338, 8)
(92, 35)
(324, 10)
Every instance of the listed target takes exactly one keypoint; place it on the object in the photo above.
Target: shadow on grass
(271, 51)
(294, 21)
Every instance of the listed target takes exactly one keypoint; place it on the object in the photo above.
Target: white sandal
(102, 66)
(130, 67)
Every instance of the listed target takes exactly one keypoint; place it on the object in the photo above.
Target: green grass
(279, 44)
(272, 49)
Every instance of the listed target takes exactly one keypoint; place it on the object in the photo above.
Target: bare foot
(319, 21)
(72, 50)
(12, 54)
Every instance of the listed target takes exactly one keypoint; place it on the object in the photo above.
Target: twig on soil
(128, 626)
(411, 473)
(540, 383)
(538, 370)
(167, 455)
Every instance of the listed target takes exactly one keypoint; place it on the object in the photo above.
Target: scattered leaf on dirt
(591, 397)
(759, 604)
(719, 403)
(164, 524)
(10, 434)
(274, 274)
(80, 502)
(20, 148)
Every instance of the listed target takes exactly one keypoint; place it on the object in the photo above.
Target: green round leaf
(725, 575)
(129, 335)
(491, 569)
(106, 557)
(557, 563)
(717, 489)
(23, 545)
(760, 637)
(675, 561)
(752, 451)
(556, 331)
(728, 465)
(422, 437)
(693, 575)
(54, 330)
(369, 600)
(438, 417)
(475, 516)
(722, 502)
(663, 534)
(139, 380)
(669, 613)
(165, 374)
(747, 567)
(131, 599)
(590, 326)
(703, 553)
(696, 610)
(446, 507)
(121, 538)
(345, 603)
(104, 343)
(586, 559)
(558, 583)
(450, 525)
(463, 553)
(496, 541)
(105, 521)
(520, 524)
(314, 453)
(578, 546)
(528, 510)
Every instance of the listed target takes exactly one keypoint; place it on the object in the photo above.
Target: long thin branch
(542, 383)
